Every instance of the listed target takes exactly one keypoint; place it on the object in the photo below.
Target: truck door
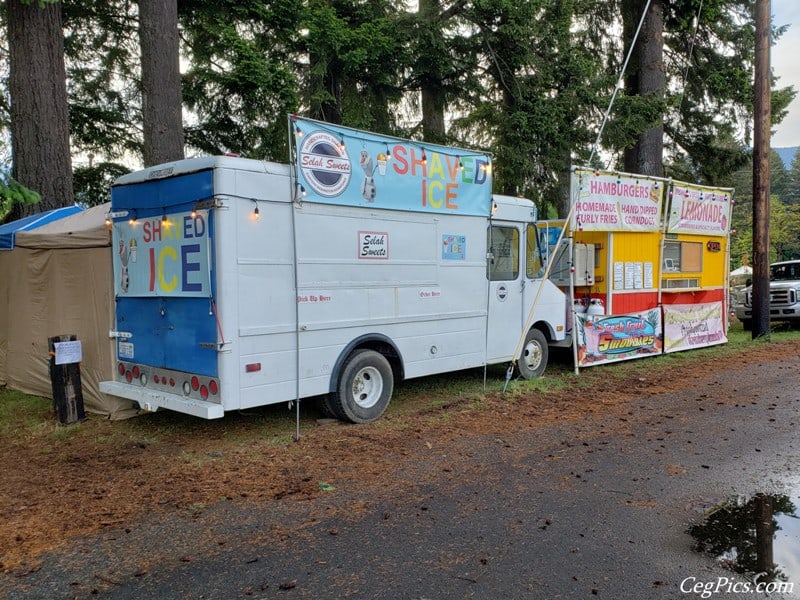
(163, 268)
(506, 280)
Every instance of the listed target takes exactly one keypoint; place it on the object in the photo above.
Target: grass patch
(24, 418)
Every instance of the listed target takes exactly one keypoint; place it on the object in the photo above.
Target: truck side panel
(417, 280)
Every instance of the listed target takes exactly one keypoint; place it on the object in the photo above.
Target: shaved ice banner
(339, 165)
(604, 339)
(688, 326)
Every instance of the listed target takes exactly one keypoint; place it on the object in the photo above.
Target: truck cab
(784, 295)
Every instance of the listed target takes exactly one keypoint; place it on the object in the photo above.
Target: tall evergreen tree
(646, 80)
(162, 114)
(539, 108)
(39, 116)
(356, 56)
(241, 79)
(708, 50)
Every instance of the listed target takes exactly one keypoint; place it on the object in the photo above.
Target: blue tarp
(9, 230)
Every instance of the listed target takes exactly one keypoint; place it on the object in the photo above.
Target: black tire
(365, 387)
(535, 352)
(747, 324)
(325, 406)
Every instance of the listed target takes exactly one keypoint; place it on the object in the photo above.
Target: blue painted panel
(167, 333)
(150, 198)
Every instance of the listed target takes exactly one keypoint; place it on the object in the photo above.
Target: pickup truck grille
(783, 297)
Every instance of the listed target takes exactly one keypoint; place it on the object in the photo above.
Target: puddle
(757, 537)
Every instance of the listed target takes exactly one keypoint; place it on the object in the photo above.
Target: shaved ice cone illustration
(132, 252)
(382, 162)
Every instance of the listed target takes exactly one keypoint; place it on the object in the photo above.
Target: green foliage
(356, 58)
(527, 80)
(11, 193)
(709, 48)
(93, 183)
(102, 50)
(784, 230)
(539, 99)
(241, 80)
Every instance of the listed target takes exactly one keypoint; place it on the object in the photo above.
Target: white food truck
(368, 260)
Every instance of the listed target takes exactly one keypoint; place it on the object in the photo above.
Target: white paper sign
(68, 352)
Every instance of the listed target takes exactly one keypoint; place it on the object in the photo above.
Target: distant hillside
(787, 155)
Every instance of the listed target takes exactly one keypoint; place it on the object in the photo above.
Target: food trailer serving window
(683, 257)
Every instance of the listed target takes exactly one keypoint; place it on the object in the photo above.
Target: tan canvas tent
(58, 280)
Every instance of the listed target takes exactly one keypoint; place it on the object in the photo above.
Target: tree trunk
(162, 115)
(39, 115)
(432, 90)
(326, 89)
(647, 79)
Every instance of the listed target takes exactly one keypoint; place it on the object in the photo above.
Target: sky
(786, 66)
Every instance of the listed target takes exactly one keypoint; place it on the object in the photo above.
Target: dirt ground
(103, 474)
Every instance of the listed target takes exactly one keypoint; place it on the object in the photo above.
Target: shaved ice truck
(368, 260)
(371, 259)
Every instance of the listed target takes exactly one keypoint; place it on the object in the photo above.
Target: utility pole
(761, 150)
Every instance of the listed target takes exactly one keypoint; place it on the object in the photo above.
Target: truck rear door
(164, 285)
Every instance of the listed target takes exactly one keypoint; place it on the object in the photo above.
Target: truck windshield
(785, 272)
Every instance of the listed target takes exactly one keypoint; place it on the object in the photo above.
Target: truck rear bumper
(152, 400)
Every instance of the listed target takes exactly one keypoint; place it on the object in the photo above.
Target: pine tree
(39, 118)
(242, 77)
(161, 81)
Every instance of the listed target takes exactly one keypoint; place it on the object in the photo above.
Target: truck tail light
(213, 387)
(252, 367)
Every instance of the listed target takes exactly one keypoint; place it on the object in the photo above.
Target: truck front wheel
(365, 387)
(747, 324)
(533, 360)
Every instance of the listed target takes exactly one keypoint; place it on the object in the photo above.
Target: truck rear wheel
(533, 360)
(365, 387)
(326, 407)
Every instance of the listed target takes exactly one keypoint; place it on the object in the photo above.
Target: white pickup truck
(784, 295)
